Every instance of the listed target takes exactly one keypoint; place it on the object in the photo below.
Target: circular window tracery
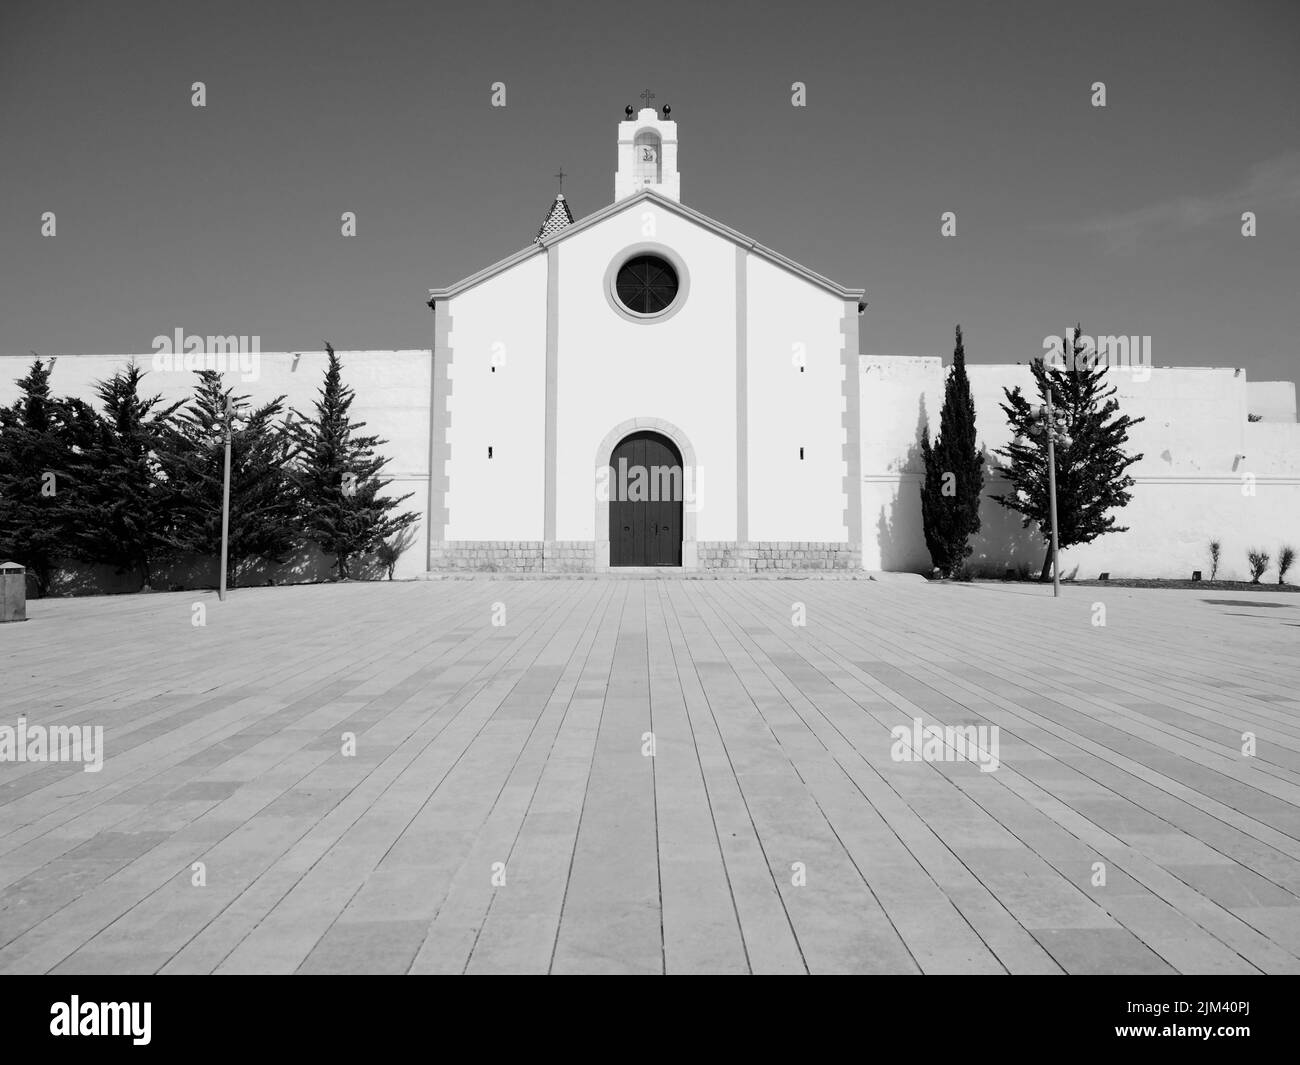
(647, 284)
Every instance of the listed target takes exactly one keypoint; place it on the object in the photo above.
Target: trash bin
(13, 592)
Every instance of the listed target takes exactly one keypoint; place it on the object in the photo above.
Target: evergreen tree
(339, 478)
(1090, 472)
(954, 473)
(37, 437)
(264, 522)
(125, 506)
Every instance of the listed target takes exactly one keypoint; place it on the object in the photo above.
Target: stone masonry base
(759, 555)
(579, 556)
(513, 556)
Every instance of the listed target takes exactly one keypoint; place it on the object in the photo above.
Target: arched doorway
(646, 492)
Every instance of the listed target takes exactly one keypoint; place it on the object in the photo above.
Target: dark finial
(628, 110)
(667, 111)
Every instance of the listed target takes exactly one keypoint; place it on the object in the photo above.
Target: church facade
(647, 387)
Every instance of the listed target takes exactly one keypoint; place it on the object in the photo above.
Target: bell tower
(647, 153)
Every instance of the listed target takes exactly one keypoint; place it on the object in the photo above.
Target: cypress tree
(122, 507)
(339, 478)
(954, 473)
(37, 437)
(264, 523)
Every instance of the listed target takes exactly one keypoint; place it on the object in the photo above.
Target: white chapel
(645, 337)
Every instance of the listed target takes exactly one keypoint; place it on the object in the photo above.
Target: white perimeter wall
(789, 498)
(681, 369)
(392, 398)
(1188, 489)
(499, 498)
(1273, 401)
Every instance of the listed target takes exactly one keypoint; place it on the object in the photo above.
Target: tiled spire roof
(558, 218)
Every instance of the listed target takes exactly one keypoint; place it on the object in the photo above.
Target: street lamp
(1052, 424)
(225, 501)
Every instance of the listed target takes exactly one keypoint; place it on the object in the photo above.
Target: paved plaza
(649, 776)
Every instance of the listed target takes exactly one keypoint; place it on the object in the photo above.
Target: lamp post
(1050, 422)
(225, 503)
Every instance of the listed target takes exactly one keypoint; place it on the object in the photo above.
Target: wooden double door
(646, 494)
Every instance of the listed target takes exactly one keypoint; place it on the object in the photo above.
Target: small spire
(557, 218)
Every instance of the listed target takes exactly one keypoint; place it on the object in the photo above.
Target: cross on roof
(647, 96)
(561, 176)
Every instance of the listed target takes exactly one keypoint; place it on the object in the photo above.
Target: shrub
(1285, 558)
(1258, 564)
(391, 550)
(1216, 548)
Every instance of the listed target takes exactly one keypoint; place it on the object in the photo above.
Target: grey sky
(226, 219)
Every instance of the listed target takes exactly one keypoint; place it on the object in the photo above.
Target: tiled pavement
(514, 753)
